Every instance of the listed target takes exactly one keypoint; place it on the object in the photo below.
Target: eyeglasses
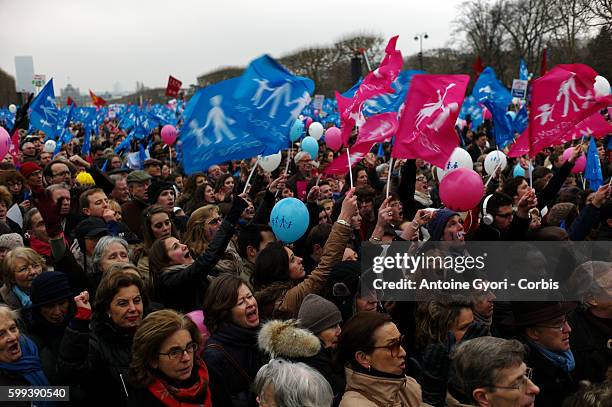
(521, 383)
(31, 266)
(176, 353)
(558, 326)
(61, 174)
(215, 221)
(394, 347)
(421, 179)
(505, 215)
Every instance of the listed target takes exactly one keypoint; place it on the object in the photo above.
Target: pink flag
(559, 101)
(427, 124)
(595, 125)
(375, 83)
(340, 163)
(378, 128)
(14, 147)
(521, 145)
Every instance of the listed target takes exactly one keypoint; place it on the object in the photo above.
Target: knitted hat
(49, 287)
(435, 227)
(156, 188)
(28, 168)
(10, 241)
(559, 213)
(317, 314)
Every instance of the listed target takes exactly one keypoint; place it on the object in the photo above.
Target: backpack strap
(231, 360)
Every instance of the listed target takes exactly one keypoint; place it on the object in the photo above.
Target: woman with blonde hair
(21, 265)
(201, 228)
(165, 368)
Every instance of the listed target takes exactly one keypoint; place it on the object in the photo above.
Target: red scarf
(173, 397)
(40, 247)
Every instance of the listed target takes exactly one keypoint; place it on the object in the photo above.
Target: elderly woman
(21, 265)
(165, 368)
(96, 349)
(282, 383)
(370, 348)
(231, 353)
(279, 274)
(202, 226)
(180, 281)
(19, 361)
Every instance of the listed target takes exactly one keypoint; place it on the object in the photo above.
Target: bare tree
(572, 23)
(601, 10)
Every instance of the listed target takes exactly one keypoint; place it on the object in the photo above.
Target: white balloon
(458, 159)
(602, 86)
(316, 130)
(49, 146)
(493, 160)
(270, 162)
(12, 108)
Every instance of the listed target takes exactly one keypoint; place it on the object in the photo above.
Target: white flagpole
(348, 156)
(250, 175)
(389, 176)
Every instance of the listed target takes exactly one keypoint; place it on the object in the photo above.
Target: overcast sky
(96, 44)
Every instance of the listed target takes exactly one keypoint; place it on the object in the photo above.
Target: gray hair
(101, 247)
(293, 384)
(55, 187)
(116, 178)
(8, 312)
(27, 218)
(473, 371)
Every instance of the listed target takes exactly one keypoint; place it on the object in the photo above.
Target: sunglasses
(394, 347)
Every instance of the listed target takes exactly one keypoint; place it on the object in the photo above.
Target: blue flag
(592, 171)
(502, 124)
(470, 107)
(44, 114)
(350, 93)
(523, 72)
(489, 91)
(521, 120)
(142, 155)
(268, 98)
(390, 102)
(65, 135)
(86, 141)
(212, 132)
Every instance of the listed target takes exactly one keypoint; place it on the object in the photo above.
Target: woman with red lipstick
(19, 361)
(179, 281)
(165, 368)
(371, 350)
(231, 353)
(97, 346)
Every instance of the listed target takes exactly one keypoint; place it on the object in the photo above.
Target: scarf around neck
(563, 360)
(196, 395)
(423, 198)
(28, 364)
(22, 296)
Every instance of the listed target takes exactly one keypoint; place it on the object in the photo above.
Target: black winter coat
(322, 363)
(98, 360)
(13, 379)
(555, 385)
(591, 340)
(226, 382)
(516, 232)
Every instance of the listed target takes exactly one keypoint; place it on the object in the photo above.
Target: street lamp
(420, 37)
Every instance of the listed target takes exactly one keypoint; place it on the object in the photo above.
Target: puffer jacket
(99, 360)
(286, 298)
(284, 339)
(364, 390)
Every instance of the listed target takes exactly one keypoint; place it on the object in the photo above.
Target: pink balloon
(5, 142)
(580, 163)
(333, 138)
(168, 134)
(308, 122)
(461, 189)
(486, 114)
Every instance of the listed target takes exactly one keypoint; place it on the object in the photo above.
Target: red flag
(96, 100)
(544, 63)
(377, 129)
(174, 86)
(375, 83)
(427, 124)
(14, 147)
(560, 100)
(69, 101)
(478, 67)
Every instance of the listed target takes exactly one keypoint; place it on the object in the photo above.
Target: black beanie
(156, 188)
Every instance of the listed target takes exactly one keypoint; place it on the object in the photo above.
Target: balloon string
(348, 156)
(389, 176)
(250, 175)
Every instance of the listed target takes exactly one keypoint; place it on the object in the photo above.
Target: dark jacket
(227, 383)
(13, 379)
(555, 385)
(489, 233)
(132, 213)
(182, 287)
(591, 340)
(98, 360)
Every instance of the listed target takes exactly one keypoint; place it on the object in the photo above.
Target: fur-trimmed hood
(284, 339)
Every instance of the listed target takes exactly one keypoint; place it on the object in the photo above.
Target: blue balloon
(296, 130)
(289, 219)
(310, 145)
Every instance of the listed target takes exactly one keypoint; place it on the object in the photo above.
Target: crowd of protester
(149, 287)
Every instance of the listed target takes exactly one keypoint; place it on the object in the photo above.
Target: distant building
(71, 92)
(8, 94)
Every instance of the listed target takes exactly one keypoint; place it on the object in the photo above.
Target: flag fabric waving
(44, 114)
(523, 71)
(268, 99)
(96, 100)
(391, 102)
(489, 91)
(592, 170)
(212, 132)
(559, 101)
(427, 124)
(173, 87)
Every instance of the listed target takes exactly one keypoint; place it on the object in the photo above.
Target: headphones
(487, 218)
